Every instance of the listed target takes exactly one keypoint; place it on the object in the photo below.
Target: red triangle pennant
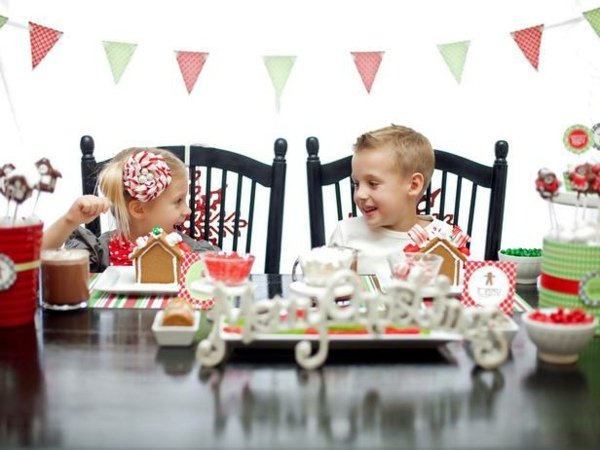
(190, 64)
(367, 64)
(42, 40)
(529, 41)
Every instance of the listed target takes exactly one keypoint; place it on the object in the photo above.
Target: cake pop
(547, 185)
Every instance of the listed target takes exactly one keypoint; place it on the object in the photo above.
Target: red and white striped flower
(146, 175)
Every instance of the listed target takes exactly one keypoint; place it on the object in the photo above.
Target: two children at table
(391, 169)
(143, 188)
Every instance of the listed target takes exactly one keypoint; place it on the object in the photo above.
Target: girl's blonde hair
(413, 151)
(110, 182)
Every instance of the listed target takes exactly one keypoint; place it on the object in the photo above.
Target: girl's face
(168, 209)
(381, 193)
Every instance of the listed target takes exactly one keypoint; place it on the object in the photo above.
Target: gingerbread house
(453, 258)
(157, 258)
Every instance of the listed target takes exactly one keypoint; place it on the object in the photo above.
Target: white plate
(206, 287)
(433, 338)
(121, 279)
(301, 288)
(73, 307)
(174, 335)
(429, 291)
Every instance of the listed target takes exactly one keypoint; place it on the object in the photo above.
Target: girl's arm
(82, 211)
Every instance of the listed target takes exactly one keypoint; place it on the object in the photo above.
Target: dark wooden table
(97, 379)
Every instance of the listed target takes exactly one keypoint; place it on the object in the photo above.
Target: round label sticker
(589, 289)
(8, 274)
(489, 286)
(596, 136)
(577, 139)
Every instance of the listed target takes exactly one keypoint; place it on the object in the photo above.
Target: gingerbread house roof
(452, 249)
(161, 241)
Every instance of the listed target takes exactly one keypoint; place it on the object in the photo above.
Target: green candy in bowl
(527, 260)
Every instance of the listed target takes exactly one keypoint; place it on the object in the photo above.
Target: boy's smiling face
(385, 197)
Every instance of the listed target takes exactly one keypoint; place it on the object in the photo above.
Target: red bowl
(229, 268)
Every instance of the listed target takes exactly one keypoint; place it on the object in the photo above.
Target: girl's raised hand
(87, 208)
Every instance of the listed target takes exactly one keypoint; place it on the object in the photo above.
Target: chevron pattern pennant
(367, 64)
(190, 65)
(455, 55)
(42, 40)
(529, 41)
(119, 54)
(279, 68)
(3, 21)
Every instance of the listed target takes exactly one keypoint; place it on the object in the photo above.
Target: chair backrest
(226, 189)
(451, 171)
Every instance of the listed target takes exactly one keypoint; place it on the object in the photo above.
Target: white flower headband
(146, 175)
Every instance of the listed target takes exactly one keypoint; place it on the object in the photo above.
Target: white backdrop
(44, 112)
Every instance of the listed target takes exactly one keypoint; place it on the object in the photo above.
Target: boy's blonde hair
(413, 151)
(110, 182)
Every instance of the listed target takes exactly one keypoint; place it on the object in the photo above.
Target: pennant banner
(190, 64)
(593, 17)
(42, 39)
(3, 21)
(279, 68)
(119, 54)
(367, 64)
(455, 54)
(529, 40)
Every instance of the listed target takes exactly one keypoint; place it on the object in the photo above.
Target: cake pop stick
(5, 171)
(547, 185)
(17, 189)
(580, 181)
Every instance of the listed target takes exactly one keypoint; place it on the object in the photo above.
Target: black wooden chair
(226, 189)
(455, 177)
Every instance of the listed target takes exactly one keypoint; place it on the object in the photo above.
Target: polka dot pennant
(190, 64)
(529, 40)
(593, 18)
(455, 55)
(42, 39)
(367, 64)
(119, 54)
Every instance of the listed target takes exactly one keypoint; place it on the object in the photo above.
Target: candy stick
(18, 190)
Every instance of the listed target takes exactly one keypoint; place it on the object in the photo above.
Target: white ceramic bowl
(558, 343)
(528, 267)
(177, 335)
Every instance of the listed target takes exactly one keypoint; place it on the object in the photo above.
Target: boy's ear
(136, 209)
(417, 181)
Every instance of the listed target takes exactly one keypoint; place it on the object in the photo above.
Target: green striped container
(566, 264)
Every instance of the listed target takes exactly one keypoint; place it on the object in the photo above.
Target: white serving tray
(121, 279)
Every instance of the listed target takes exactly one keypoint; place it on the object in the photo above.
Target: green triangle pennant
(119, 54)
(3, 21)
(593, 17)
(455, 54)
(279, 68)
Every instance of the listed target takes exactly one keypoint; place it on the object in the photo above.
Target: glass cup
(320, 263)
(421, 268)
(65, 274)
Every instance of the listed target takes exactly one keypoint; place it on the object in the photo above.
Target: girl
(143, 188)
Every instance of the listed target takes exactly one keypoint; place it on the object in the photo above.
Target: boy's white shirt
(374, 244)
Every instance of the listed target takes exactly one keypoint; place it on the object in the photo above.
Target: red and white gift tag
(489, 283)
(191, 269)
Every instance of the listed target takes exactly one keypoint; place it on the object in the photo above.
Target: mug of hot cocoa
(65, 275)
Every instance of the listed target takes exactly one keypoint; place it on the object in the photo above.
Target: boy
(391, 169)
